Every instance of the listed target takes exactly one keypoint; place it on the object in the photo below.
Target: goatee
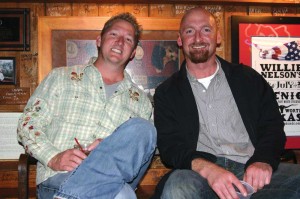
(199, 57)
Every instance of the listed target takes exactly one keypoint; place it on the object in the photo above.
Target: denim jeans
(187, 184)
(112, 170)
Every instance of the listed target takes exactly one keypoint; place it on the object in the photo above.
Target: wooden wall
(27, 61)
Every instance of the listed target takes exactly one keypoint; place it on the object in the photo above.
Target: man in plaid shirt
(97, 102)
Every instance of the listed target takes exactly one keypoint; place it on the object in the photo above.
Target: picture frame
(271, 45)
(7, 70)
(14, 29)
(54, 32)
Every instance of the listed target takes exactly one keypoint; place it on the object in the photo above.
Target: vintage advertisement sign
(271, 46)
(278, 61)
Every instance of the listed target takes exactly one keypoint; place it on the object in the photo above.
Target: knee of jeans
(145, 129)
(126, 192)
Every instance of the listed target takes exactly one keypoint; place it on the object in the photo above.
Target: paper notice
(10, 148)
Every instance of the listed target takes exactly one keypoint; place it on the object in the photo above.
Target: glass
(84, 144)
(248, 187)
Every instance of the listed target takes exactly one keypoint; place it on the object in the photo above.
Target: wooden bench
(27, 173)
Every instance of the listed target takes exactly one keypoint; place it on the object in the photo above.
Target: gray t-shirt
(110, 89)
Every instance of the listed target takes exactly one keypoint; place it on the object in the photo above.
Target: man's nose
(198, 36)
(120, 40)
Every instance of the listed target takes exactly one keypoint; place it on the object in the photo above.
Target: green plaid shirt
(71, 102)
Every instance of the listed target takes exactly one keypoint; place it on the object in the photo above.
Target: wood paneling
(29, 61)
(287, 2)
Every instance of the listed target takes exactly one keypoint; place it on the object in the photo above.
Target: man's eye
(129, 40)
(189, 31)
(207, 30)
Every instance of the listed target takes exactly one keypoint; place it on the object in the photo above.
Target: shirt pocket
(78, 107)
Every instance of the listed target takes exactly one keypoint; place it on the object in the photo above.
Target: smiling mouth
(198, 46)
(116, 50)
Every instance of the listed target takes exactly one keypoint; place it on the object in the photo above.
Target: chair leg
(23, 168)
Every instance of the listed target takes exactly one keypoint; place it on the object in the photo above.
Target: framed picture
(14, 29)
(62, 42)
(271, 45)
(55, 32)
(7, 70)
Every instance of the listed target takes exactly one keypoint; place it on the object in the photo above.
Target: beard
(199, 56)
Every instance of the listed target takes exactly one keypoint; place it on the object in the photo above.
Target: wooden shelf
(231, 2)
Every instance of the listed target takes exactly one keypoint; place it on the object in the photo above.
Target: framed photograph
(54, 33)
(271, 45)
(14, 29)
(62, 42)
(7, 70)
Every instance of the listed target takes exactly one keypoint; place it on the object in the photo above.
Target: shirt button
(209, 106)
(100, 87)
(203, 91)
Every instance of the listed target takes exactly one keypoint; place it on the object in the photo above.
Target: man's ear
(179, 41)
(219, 38)
(132, 54)
(98, 41)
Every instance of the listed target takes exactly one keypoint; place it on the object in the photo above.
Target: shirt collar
(216, 74)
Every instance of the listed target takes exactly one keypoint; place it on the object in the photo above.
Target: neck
(110, 74)
(202, 70)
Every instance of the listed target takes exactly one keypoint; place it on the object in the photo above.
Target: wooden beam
(220, 2)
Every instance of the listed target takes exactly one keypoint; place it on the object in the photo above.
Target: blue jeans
(112, 170)
(187, 184)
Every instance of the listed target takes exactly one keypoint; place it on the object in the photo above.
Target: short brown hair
(126, 17)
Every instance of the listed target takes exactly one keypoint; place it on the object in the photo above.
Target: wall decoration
(61, 40)
(271, 45)
(14, 29)
(54, 33)
(7, 70)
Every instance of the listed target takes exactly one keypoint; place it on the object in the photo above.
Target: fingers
(258, 175)
(94, 144)
(78, 153)
(223, 183)
(240, 188)
(227, 191)
(67, 160)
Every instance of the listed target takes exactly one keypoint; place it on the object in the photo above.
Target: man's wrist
(202, 166)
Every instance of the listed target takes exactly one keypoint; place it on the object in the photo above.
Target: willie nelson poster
(277, 59)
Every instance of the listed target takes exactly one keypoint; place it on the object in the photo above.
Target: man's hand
(70, 159)
(67, 160)
(219, 179)
(258, 175)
